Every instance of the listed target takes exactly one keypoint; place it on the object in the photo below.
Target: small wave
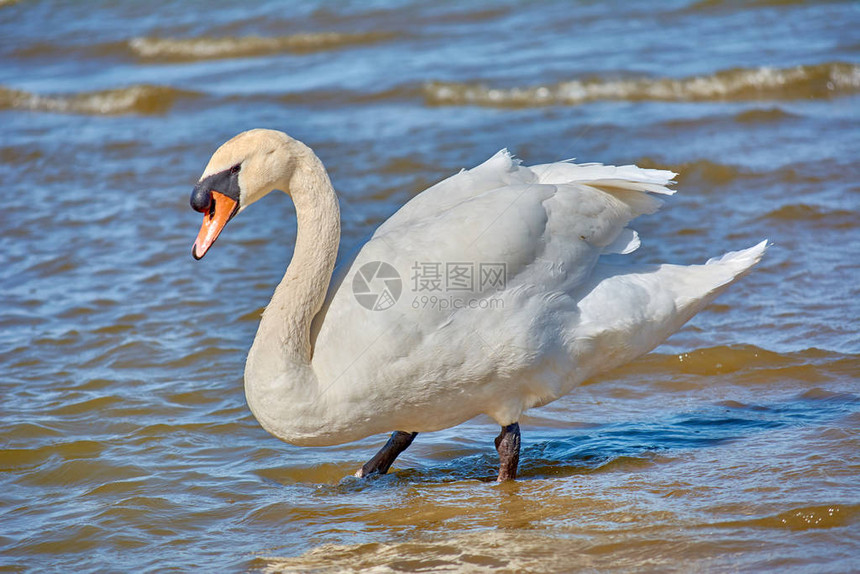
(185, 49)
(404, 164)
(49, 49)
(762, 116)
(12, 155)
(472, 16)
(138, 99)
(743, 359)
(699, 170)
(715, 173)
(708, 5)
(815, 81)
(830, 218)
(805, 518)
(731, 359)
(403, 93)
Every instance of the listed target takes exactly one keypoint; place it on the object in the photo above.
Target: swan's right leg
(508, 445)
(383, 460)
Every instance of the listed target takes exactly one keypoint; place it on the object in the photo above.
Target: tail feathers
(697, 285)
(743, 259)
(628, 310)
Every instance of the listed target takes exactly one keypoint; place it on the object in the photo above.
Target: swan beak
(221, 210)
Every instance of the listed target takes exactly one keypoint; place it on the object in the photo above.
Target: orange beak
(216, 217)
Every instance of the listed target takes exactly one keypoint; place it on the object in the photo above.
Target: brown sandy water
(126, 441)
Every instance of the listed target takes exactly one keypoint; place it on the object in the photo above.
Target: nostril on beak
(201, 199)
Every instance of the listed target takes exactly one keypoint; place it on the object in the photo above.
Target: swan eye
(235, 169)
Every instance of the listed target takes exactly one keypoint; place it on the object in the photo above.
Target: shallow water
(127, 444)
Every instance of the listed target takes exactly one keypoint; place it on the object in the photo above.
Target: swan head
(241, 171)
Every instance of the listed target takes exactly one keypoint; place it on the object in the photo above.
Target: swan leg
(382, 461)
(508, 445)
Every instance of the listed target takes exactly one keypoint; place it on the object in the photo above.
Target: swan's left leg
(383, 460)
(508, 445)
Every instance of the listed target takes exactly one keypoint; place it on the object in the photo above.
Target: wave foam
(816, 81)
(185, 49)
(138, 99)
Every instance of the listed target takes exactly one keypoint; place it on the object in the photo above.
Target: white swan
(486, 293)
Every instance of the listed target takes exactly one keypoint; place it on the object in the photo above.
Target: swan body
(532, 310)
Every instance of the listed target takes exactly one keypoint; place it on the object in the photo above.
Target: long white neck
(280, 385)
